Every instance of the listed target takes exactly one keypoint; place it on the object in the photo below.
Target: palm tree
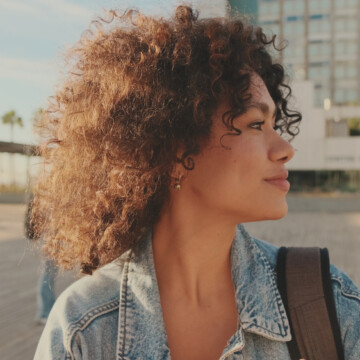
(12, 119)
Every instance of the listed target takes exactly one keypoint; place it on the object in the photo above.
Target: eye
(257, 125)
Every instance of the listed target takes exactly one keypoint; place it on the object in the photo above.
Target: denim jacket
(116, 314)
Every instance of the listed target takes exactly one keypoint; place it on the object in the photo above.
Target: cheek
(220, 169)
(250, 163)
(212, 173)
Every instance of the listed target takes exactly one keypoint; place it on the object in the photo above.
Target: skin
(192, 239)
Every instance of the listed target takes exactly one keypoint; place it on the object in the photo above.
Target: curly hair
(137, 87)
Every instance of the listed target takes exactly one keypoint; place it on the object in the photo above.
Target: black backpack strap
(305, 286)
(330, 303)
(281, 280)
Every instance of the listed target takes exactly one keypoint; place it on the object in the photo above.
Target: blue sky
(33, 36)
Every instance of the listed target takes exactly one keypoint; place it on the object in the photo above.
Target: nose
(281, 150)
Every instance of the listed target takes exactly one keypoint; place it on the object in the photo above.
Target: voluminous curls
(137, 87)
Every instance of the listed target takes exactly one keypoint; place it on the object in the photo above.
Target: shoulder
(347, 303)
(268, 250)
(346, 298)
(343, 284)
(345, 291)
(91, 292)
(82, 310)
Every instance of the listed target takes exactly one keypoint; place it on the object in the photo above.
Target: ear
(179, 170)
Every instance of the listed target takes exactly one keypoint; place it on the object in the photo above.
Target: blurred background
(322, 58)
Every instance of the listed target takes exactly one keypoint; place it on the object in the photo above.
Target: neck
(192, 252)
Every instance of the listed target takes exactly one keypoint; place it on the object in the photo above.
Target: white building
(323, 58)
(323, 38)
(324, 142)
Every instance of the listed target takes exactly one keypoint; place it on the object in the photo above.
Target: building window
(354, 126)
(294, 26)
(339, 96)
(300, 6)
(295, 51)
(319, 5)
(340, 71)
(346, 70)
(346, 96)
(341, 4)
(317, 49)
(269, 7)
(343, 127)
(319, 72)
(340, 24)
(345, 24)
(319, 24)
(292, 6)
(352, 71)
(352, 96)
(346, 47)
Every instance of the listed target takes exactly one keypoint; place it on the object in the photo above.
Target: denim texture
(116, 313)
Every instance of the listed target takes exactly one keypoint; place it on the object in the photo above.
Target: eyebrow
(263, 107)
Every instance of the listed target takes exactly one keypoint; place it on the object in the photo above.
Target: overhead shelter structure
(16, 148)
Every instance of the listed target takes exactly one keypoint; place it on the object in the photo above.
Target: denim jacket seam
(86, 320)
(345, 291)
(265, 330)
(123, 307)
(274, 288)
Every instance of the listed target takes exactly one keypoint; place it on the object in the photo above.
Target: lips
(280, 176)
(280, 181)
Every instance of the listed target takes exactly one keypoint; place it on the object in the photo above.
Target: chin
(261, 210)
(279, 211)
(279, 216)
(274, 210)
(269, 213)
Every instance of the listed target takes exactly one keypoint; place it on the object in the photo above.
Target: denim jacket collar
(259, 303)
(258, 300)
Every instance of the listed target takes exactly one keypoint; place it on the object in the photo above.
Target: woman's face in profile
(233, 178)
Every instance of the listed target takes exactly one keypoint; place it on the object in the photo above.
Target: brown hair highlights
(137, 87)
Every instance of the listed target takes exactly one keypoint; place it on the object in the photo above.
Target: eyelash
(261, 123)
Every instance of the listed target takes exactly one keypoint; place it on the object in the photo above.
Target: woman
(165, 136)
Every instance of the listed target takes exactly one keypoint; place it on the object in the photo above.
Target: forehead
(260, 96)
(260, 99)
